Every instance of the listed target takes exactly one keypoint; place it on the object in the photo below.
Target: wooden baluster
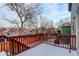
(18, 47)
(1, 45)
(13, 46)
(22, 42)
(4, 43)
(25, 40)
(75, 42)
(9, 46)
(21, 45)
(65, 42)
(70, 45)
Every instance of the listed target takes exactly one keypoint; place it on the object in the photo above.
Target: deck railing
(60, 40)
(19, 44)
(16, 44)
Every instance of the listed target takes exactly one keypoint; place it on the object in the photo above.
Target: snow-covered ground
(3, 54)
(47, 50)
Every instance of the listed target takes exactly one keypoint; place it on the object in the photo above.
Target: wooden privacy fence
(14, 45)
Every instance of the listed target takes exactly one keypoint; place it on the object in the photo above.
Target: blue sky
(56, 11)
(53, 11)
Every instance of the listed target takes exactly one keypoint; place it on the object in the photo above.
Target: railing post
(1, 44)
(5, 42)
(70, 44)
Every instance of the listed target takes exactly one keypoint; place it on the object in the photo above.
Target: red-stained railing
(4, 44)
(16, 44)
(60, 40)
(19, 44)
(16, 47)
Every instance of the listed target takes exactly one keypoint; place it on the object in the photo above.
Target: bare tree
(24, 12)
(62, 21)
(40, 23)
(34, 23)
(43, 24)
(51, 26)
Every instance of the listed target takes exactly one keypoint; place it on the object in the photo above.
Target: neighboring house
(14, 31)
(65, 28)
(74, 9)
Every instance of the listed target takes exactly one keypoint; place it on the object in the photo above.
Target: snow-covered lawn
(47, 50)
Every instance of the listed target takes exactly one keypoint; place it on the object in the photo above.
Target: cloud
(56, 11)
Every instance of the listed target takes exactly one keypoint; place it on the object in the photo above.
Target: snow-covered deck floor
(47, 50)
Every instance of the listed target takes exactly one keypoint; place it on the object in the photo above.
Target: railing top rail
(25, 35)
(22, 36)
(62, 35)
(2, 37)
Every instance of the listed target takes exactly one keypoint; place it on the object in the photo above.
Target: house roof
(64, 24)
(67, 24)
(69, 6)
